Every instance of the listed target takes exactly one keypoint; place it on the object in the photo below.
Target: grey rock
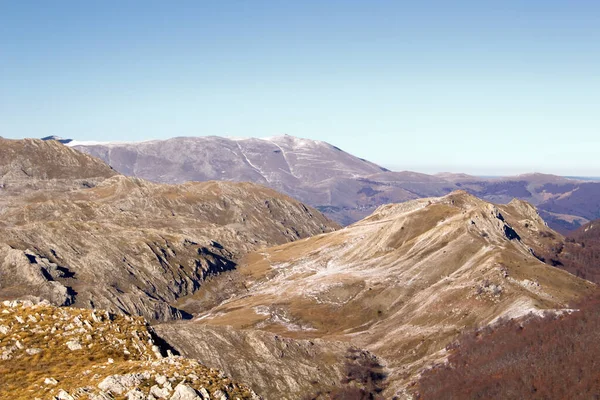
(204, 393)
(136, 394)
(160, 393)
(63, 395)
(50, 381)
(184, 392)
(119, 384)
(74, 345)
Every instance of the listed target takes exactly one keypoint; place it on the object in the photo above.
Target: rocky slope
(344, 187)
(403, 282)
(578, 252)
(28, 165)
(124, 244)
(31, 159)
(67, 354)
(276, 367)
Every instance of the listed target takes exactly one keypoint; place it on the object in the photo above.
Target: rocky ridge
(67, 354)
(419, 272)
(125, 244)
(31, 160)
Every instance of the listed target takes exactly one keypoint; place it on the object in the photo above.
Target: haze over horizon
(467, 87)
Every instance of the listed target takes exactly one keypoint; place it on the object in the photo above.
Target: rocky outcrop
(89, 354)
(37, 160)
(276, 367)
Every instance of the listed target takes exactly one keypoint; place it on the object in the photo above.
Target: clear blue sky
(488, 87)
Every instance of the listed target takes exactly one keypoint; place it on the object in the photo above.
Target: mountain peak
(35, 159)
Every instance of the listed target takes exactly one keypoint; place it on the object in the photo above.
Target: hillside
(68, 353)
(517, 359)
(344, 187)
(275, 366)
(128, 245)
(401, 283)
(579, 253)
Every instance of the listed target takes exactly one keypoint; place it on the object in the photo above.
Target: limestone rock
(160, 393)
(136, 394)
(118, 384)
(63, 395)
(74, 345)
(184, 392)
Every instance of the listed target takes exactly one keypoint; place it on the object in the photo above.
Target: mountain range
(75, 232)
(239, 278)
(344, 187)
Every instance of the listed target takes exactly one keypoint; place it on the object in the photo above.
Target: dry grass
(125, 341)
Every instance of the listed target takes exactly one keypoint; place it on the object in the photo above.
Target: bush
(364, 380)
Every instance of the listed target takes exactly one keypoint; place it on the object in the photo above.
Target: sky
(482, 87)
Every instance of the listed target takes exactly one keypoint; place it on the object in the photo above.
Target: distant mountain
(401, 283)
(564, 203)
(342, 186)
(311, 171)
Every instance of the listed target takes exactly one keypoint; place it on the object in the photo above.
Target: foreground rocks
(67, 353)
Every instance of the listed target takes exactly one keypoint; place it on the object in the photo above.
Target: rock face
(274, 366)
(403, 282)
(32, 160)
(116, 357)
(344, 187)
(128, 245)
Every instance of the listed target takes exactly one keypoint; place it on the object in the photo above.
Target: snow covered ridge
(274, 139)
(73, 143)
